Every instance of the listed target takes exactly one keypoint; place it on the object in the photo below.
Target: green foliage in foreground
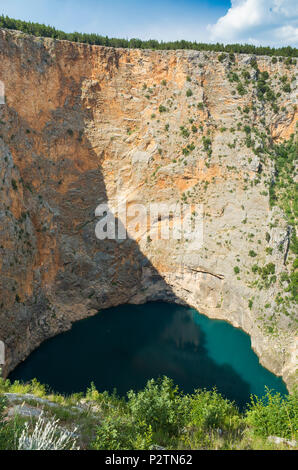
(9, 430)
(42, 30)
(161, 415)
(273, 414)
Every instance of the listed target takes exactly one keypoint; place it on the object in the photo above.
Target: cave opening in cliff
(123, 347)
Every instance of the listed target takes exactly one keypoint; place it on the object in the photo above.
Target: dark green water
(125, 346)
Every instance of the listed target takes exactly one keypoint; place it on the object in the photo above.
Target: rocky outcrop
(82, 125)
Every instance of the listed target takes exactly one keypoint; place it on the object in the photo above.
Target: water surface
(123, 347)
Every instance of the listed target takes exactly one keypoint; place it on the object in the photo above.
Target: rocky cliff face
(83, 125)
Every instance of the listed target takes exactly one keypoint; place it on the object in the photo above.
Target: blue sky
(266, 22)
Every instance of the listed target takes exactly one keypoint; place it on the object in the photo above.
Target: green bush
(246, 75)
(264, 75)
(184, 132)
(222, 57)
(234, 77)
(121, 432)
(287, 88)
(268, 269)
(206, 143)
(274, 415)
(160, 405)
(210, 410)
(162, 109)
(252, 253)
(241, 90)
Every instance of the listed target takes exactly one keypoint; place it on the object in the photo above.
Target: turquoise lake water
(123, 347)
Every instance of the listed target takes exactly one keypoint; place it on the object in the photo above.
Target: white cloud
(267, 22)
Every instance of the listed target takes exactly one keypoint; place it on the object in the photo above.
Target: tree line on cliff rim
(42, 30)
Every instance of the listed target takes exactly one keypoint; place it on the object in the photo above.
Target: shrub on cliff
(214, 422)
(122, 432)
(210, 410)
(160, 405)
(241, 90)
(222, 57)
(287, 88)
(162, 109)
(274, 415)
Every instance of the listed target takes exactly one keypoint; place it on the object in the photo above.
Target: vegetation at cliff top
(42, 30)
(160, 415)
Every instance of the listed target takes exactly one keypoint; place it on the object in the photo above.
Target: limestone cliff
(86, 124)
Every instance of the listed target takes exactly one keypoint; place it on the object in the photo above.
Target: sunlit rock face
(84, 125)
